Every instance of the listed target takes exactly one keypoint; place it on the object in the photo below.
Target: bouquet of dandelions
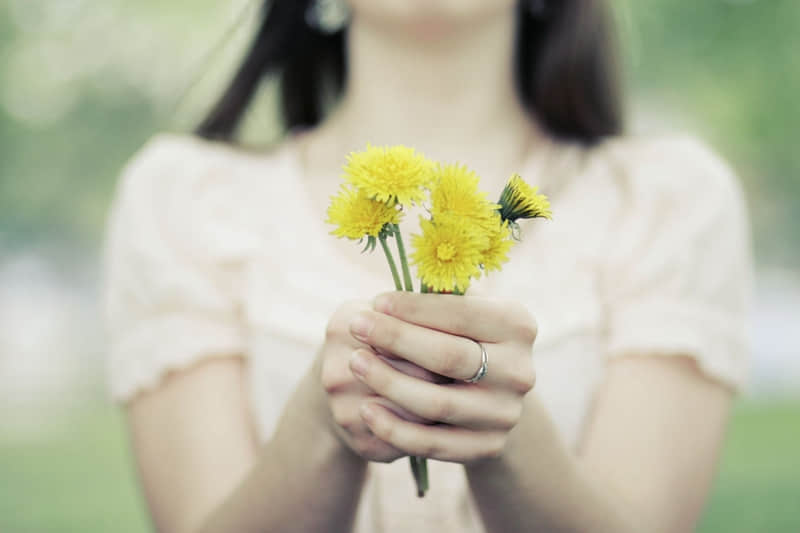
(465, 235)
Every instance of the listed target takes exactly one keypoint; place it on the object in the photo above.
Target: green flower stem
(415, 471)
(423, 475)
(401, 249)
(419, 468)
(419, 465)
(392, 265)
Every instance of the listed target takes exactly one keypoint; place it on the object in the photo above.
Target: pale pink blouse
(215, 251)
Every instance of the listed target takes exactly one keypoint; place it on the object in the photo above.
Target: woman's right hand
(345, 393)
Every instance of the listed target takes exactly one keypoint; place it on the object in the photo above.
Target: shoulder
(678, 170)
(176, 171)
(171, 159)
(193, 192)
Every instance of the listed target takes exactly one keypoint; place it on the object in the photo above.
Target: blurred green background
(85, 83)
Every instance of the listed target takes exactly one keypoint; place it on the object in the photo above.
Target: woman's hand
(345, 394)
(436, 332)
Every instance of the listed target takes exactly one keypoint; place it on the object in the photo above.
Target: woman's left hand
(438, 332)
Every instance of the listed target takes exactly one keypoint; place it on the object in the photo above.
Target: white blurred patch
(776, 343)
(50, 336)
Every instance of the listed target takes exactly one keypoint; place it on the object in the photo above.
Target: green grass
(83, 480)
(758, 486)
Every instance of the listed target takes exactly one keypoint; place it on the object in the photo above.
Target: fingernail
(358, 364)
(367, 412)
(382, 303)
(361, 326)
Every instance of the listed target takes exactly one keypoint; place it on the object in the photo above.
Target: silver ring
(484, 366)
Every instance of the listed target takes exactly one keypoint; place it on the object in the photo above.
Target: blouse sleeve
(678, 277)
(170, 293)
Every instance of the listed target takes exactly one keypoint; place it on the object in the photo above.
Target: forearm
(538, 485)
(305, 480)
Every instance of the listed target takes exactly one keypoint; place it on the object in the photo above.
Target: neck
(448, 91)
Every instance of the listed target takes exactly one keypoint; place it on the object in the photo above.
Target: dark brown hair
(566, 69)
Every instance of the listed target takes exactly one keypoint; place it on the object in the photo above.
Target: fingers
(441, 353)
(458, 404)
(443, 443)
(481, 319)
(344, 412)
(449, 355)
(337, 381)
(412, 370)
(353, 430)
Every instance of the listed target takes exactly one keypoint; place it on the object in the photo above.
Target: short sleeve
(678, 276)
(171, 292)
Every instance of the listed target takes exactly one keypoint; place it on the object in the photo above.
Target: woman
(639, 288)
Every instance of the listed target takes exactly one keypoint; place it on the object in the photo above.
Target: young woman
(245, 339)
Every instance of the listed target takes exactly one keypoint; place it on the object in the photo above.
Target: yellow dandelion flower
(500, 242)
(390, 174)
(520, 200)
(447, 254)
(455, 193)
(356, 215)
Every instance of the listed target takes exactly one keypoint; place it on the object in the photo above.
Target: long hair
(565, 68)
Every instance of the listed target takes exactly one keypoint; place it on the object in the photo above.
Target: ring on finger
(484, 368)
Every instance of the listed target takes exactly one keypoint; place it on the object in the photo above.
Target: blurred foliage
(759, 477)
(730, 69)
(79, 480)
(83, 480)
(86, 82)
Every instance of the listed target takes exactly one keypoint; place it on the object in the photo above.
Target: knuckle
(350, 425)
(442, 410)
(384, 456)
(496, 446)
(380, 452)
(337, 326)
(334, 329)
(328, 377)
(381, 332)
(451, 360)
(389, 333)
(516, 308)
(378, 376)
(523, 381)
(506, 415)
(527, 330)
(515, 414)
(329, 386)
(340, 416)
(370, 448)
(431, 450)
(383, 429)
